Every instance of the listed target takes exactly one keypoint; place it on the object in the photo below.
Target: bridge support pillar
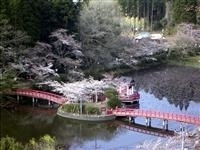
(18, 99)
(49, 103)
(131, 119)
(165, 124)
(148, 122)
(33, 101)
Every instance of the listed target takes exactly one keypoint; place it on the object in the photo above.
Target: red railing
(42, 95)
(156, 114)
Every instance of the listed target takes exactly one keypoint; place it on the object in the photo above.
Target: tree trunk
(168, 12)
(152, 7)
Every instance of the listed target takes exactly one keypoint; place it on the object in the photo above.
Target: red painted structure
(125, 112)
(42, 95)
(127, 93)
(156, 114)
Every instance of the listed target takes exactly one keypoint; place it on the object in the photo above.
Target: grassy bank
(187, 61)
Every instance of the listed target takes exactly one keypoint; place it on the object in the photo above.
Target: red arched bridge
(123, 112)
(41, 95)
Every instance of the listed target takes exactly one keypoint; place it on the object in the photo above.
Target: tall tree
(99, 28)
(40, 17)
(184, 11)
(151, 10)
(168, 12)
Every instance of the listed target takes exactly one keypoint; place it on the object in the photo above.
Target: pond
(169, 89)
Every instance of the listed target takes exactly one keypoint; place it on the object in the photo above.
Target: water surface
(168, 89)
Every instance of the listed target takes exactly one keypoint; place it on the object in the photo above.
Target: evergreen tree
(184, 11)
(99, 29)
(40, 17)
(66, 14)
(151, 10)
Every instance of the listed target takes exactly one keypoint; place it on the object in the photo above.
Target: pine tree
(184, 11)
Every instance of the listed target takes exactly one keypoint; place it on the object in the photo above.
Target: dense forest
(39, 18)
(71, 35)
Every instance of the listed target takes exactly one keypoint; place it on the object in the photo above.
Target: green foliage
(100, 27)
(113, 100)
(129, 7)
(184, 11)
(7, 81)
(10, 37)
(44, 143)
(71, 108)
(110, 93)
(170, 30)
(61, 78)
(9, 143)
(92, 110)
(151, 10)
(185, 61)
(75, 108)
(40, 17)
(12, 42)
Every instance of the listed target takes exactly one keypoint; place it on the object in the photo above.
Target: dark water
(169, 89)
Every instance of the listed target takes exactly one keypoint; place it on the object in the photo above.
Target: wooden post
(129, 118)
(165, 124)
(132, 90)
(49, 103)
(148, 122)
(36, 101)
(96, 96)
(127, 92)
(133, 120)
(18, 99)
(81, 106)
(33, 101)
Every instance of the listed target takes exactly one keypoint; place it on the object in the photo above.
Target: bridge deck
(42, 95)
(156, 114)
(118, 112)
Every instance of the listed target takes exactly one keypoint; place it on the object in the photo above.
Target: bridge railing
(42, 95)
(36, 91)
(157, 114)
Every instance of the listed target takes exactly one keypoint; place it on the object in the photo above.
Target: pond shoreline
(85, 117)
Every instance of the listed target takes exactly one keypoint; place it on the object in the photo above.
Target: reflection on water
(179, 85)
(170, 89)
(25, 126)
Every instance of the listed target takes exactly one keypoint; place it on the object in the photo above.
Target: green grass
(187, 61)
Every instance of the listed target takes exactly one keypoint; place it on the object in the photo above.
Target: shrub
(71, 108)
(44, 143)
(47, 142)
(113, 101)
(9, 143)
(110, 93)
(92, 110)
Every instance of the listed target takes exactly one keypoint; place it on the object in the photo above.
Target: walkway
(156, 114)
(41, 95)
